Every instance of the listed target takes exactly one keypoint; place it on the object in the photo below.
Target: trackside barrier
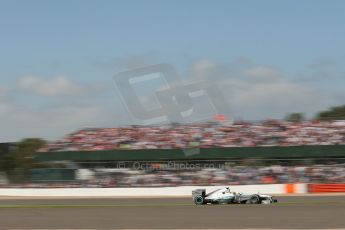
(295, 188)
(147, 192)
(320, 188)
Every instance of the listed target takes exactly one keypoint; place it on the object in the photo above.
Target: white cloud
(3, 91)
(252, 91)
(3, 102)
(4, 108)
(202, 66)
(262, 73)
(258, 92)
(49, 122)
(46, 117)
(55, 87)
(275, 100)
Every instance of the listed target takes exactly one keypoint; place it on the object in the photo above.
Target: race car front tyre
(199, 200)
(254, 199)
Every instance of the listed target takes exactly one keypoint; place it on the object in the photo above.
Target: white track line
(187, 229)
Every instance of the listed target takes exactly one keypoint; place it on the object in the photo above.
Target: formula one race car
(225, 196)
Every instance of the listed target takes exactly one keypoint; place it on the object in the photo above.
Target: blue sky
(58, 58)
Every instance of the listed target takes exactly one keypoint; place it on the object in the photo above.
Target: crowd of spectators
(232, 176)
(204, 135)
(236, 175)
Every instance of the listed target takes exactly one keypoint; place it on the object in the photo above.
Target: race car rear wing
(199, 192)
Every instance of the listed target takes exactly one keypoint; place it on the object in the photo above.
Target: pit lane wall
(182, 191)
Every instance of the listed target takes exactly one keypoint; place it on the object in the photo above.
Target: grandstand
(204, 135)
(211, 153)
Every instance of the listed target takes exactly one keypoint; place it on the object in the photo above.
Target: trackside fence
(326, 188)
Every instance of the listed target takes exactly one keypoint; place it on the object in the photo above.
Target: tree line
(334, 113)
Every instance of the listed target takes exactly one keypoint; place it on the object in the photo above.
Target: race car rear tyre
(254, 199)
(199, 200)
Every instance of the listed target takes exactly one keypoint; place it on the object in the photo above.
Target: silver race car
(225, 196)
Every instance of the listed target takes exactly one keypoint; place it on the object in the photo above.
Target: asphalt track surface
(310, 212)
